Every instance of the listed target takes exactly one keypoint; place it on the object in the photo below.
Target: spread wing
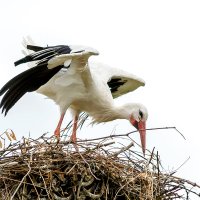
(121, 82)
(48, 61)
(120, 85)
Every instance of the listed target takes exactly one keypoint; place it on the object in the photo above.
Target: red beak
(141, 127)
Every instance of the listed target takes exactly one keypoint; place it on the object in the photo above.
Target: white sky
(158, 41)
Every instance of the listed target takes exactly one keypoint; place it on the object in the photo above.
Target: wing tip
(18, 62)
(143, 83)
(23, 60)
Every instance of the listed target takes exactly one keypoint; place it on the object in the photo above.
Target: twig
(44, 184)
(186, 181)
(103, 145)
(123, 149)
(151, 157)
(34, 186)
(21, 182)
(127, 134)
(182, 164)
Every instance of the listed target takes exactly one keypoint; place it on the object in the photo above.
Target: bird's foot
(57, 134)
(74, 141)
(73, 138)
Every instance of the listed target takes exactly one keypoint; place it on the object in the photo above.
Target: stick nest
(100, 169)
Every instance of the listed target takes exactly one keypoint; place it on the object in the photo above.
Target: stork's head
(137, 116)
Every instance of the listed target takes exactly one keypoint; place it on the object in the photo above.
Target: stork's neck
(111, 113)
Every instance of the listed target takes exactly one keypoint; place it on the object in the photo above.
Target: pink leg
(73, 136)
(57, 131)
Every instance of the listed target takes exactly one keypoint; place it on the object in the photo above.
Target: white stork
(63, 74)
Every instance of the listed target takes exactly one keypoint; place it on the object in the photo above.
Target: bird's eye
(141, 114)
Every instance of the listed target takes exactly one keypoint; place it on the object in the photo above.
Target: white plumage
(63, 74)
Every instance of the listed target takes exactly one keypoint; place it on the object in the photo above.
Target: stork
(64, 74)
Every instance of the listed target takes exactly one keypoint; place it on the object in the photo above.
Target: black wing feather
(28, 81)
(45, 53)
(34, 48)
(115, 83)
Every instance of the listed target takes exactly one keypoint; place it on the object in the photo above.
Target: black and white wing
(120, 85)
(49, 60)
(119, 82)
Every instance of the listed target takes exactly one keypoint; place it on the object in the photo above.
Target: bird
(64, 74)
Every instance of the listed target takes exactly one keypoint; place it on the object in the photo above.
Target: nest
(101, 168)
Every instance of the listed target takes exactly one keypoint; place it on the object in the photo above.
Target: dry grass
(101, 169)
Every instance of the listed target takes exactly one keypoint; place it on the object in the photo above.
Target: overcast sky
(158, 41)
